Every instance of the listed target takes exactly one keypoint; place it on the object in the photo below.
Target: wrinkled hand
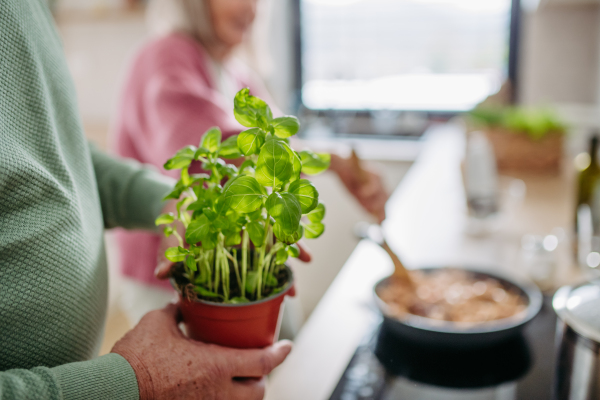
(163, 267)
(170, 366)
(363, 183)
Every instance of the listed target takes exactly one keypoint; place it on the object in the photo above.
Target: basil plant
(242, 222)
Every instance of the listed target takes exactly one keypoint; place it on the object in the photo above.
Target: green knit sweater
(56, 197)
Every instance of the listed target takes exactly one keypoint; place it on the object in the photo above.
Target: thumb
(163, 270)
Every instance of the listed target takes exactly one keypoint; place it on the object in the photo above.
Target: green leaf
(296, 163)
(314, 230)
(210, 241)
(243, 194)
(313, 164)
(182, 158)
(201, 152)
(221, 223)
(317, 214)
(191, 263)
(306, 194)
(229, 148)
(285, 238)
(176, 254)
(281, 257)
(250, 111)
(239, 300)
(233, 240)
(198, 230)
(251, 140)
(286, 126)
(293, 250)
(211, 139)
(286, 210)
(168, 231)
(271, 281)
(164, 219)
(210, 213)
(176, 192)
(248, 164)
(256, 231)
(274, 165)
(205, 292)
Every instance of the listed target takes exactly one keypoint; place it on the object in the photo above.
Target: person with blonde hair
(181, 83)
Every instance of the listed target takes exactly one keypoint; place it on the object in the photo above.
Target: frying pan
(430, 332)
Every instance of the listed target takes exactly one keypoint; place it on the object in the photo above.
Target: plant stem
(236, 268)
(261, 257)
(245, 239)
(178, 236)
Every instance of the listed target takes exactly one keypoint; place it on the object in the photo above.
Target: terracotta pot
(517, 152)
(249, 325)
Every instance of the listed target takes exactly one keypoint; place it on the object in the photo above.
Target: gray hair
(189, 16)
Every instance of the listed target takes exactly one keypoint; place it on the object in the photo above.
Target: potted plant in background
(524, 139)
(241, 225)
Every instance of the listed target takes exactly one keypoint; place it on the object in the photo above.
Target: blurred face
(232, 19)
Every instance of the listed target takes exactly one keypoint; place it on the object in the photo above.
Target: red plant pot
(243, 326)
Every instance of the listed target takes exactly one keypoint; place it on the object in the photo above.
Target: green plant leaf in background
(176, 254)
(198, 230)
(229, 148)
(191, 263)
(306, 194)
(286, 210)
(211, 140)
(205, 292)
(282, 256)
(274, 165)
(183, 158)
(284, 237)
(286, 126)
(256, 231)
(296, 163)
(293, 250)
(313, 164)
(250, 141)
(243, 194)
(314, 230)
(317, 214)
(164, 219)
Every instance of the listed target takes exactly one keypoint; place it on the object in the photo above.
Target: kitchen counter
(426, 225)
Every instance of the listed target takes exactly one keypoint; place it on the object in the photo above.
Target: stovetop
(520, 368)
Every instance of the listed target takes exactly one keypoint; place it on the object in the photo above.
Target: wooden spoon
(374, 233)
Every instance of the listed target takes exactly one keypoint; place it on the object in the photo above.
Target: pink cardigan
(169, 100)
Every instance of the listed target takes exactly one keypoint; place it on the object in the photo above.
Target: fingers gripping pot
(247, 325)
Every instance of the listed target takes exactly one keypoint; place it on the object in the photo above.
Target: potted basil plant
(241, 225)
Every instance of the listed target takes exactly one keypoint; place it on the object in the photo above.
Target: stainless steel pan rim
(527, 287)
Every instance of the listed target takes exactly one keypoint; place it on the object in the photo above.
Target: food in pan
(452, 295)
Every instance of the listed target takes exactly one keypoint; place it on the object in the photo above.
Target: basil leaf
(210, 213)
(306, 194)
(251, 111)
(168, 231)
(313, 164)
(285, 238)
(191, 263)
(197, 230)
(286, 210)
(182, 158)
(164, 219)
(285, 126)
(274, 165)
(251, 140)
(243, 194)
(176, 254)
(201, 152)
(229, 148)
(296, 163)
(205, 292)
(176, 192)
(251, 281)
(246, 164)
(281, 257)
(233, 240)
(271, 281)
(211, 139)
(239, 300)
(293, 250)
(317, 214)
(314, 230)
(256, 231)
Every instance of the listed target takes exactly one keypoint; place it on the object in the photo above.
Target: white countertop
(425, 226)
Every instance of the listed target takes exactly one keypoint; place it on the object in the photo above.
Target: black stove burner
(520, 368)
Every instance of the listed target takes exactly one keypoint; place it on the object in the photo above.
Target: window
(402, 55)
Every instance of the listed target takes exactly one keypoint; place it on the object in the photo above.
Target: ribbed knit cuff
(108, 377)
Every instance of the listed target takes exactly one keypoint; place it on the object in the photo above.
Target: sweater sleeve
(104, 378)
(130, 193)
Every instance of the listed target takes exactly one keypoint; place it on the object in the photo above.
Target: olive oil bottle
(588, 178)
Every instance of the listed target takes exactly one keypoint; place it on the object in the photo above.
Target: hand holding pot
(170, 366)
